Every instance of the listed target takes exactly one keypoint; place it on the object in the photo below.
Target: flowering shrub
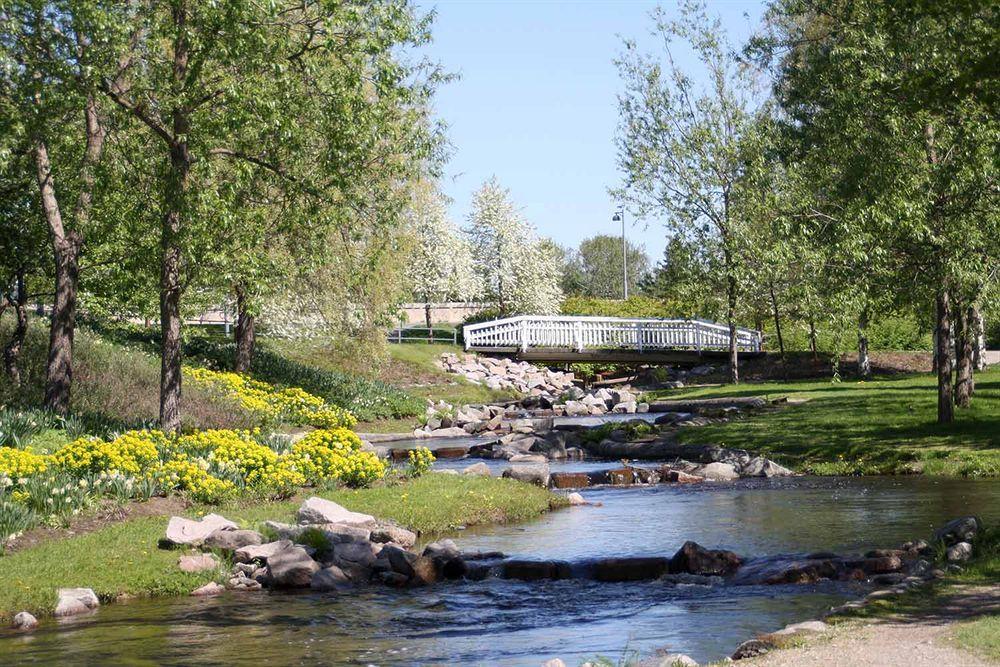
(130, 452)
(270, 404)
(421, 459)
(16, 463)
(182, 474)
(335, 454)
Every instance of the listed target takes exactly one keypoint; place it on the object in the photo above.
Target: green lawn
(880, 426)
(123, 558)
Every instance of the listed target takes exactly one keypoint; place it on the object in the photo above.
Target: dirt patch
(104, 515)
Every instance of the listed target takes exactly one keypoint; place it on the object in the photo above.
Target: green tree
(597, 266)
(681, 149)
(894, 114)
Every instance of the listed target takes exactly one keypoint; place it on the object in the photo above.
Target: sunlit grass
(880, 426)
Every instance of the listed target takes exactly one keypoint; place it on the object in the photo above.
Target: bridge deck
(611, 339)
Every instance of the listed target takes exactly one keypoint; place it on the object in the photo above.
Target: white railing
(596, 333)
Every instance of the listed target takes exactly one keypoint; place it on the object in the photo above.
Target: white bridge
(573, 338)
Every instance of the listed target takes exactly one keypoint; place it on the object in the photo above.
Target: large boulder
(184, 531)
(531, 473)
(761, 467)
(330, 578)
(260, 552)
(197, 563)
(533, 570)
(73, 601)
(693, 558)
(630, 569)
(718, 472)
(24, 621)
(231, 540)
(959, 553)
(291, 568)
(477, 469)
(319, 510)
(964, 529)
(395, 534)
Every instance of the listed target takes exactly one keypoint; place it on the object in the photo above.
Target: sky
(535, 105)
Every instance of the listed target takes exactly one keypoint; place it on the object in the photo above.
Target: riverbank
(883, 426)
(121, 559)
(953, 621)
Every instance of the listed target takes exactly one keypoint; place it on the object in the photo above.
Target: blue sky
(536, 104)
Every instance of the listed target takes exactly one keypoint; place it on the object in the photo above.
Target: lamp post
(619, 216)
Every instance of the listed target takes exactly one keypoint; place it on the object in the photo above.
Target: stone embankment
(506, 374)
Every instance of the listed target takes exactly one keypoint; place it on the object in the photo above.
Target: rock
(576, 500)
(199, 563)
(72, 601)
(959, 553)
(761, 467)
(628, 407)
(881, 565)
(528, 458)
(320, 510)
(569, 480)
(679, 476)
(676, 660)
(291, 568)
(696, 559)
(330, 578)
(630, 569)
(802, 628)
(576, 409)
(260, 552)
(401, 536)
(424, 571)
(533, 570)
(752, 648)
(24, 621)
(183, 531)
(450, 432)
(718, 472)
(342, 533)
(958, 530)
(399, 560)
(477, 469)
(209, 589)
(231, 540)
(531, 473)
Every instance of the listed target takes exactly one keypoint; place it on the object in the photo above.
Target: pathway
(923, 639)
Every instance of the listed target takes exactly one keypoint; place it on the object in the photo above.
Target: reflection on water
(517, 623)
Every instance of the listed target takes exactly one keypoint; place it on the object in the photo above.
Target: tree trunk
(946, 410)
(66, 250)
(978, 327)
(864, 363)
(245, 332)
(812, 339)
(777, 321)
(170, 289)
(427, 319)
(12, 351)
(734, 360)
(963, 357)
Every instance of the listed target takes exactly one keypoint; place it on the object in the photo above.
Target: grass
(123, 558)
(884, 426)
(981, 636)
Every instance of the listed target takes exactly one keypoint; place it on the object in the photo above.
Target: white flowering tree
(440, 263)
(517, 271)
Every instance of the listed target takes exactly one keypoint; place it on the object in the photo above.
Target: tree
(891, 105)
(517, 272)
(597, 264)
(680, 149)
(47, 53)
(304, 94)
(439, 267)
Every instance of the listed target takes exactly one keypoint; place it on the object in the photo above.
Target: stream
(503, 622)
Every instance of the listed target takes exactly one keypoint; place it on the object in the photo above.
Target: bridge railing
(595, 333)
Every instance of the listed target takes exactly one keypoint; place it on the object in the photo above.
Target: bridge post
(578, 336)
(524, 335)
(638, 335)
(697, 337)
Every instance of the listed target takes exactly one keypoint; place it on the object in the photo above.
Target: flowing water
(498, 622)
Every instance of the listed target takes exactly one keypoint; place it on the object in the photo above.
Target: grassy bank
(884, 426)
(122, 559)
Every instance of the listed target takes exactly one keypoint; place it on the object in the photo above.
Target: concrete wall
(441, 313)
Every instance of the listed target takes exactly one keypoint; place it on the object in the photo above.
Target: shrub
(420, 461)
(635, 306)
(364, 398)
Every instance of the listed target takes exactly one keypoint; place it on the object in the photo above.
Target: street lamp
(619, 216)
